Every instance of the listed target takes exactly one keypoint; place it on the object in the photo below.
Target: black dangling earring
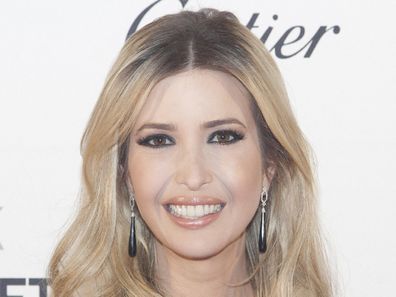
(132, 235)
(262, 235)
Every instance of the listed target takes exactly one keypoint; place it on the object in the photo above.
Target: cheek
(149, 174)
(236, 172)
(240, 171)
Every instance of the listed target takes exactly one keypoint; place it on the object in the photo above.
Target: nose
(192, 170)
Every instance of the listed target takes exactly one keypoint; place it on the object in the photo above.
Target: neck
(181, 276)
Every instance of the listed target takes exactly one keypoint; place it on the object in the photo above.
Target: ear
(121, 168)
(128, 183)
(269, 173)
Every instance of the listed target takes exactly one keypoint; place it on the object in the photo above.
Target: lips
(195, 200)
(194, 213)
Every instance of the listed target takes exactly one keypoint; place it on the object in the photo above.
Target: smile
(193, 211)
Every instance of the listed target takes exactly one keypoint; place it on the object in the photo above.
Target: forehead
(198, 94)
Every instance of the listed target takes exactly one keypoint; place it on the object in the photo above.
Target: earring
(132, 234)
(262, 235)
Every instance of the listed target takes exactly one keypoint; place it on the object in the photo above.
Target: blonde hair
(92, 256)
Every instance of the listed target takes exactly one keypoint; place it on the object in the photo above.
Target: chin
(198, 249)
(197, 252)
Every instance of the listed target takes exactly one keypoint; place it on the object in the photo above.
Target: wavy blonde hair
(92, 257)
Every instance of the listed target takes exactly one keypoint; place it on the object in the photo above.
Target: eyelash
(237, 136)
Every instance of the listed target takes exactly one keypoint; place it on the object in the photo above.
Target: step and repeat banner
(338, 59)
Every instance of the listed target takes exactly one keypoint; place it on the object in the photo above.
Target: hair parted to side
(92, 257)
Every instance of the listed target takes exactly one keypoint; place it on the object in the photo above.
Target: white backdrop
(54, 56)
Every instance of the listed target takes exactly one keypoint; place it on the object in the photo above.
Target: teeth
(190, 211)
(199, 210)
(193, 211)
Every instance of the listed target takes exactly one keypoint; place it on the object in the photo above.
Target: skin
(198, 161)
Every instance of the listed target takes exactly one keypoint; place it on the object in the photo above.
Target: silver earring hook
(131, 196)
(132, 201)
(262, 199)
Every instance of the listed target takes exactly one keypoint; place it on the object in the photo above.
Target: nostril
(194, 177)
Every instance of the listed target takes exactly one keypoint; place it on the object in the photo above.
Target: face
(195, 164)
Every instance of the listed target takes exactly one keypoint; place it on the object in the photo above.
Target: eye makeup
(224, 137)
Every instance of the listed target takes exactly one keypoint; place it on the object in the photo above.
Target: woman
(197, 180)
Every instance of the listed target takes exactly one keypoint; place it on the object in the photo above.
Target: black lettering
(317, 36)
(42, 283)
(267, 32)
(183, 2)
(252, 20)
(279, 45)
(282, 42)
(4, 282)
(139, 18)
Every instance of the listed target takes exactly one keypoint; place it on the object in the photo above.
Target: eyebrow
(172, 127)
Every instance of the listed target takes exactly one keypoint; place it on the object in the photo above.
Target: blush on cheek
(245, 182)
(148, 178)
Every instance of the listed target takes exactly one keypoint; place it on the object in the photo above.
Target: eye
(155, 141)
(225, 137)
